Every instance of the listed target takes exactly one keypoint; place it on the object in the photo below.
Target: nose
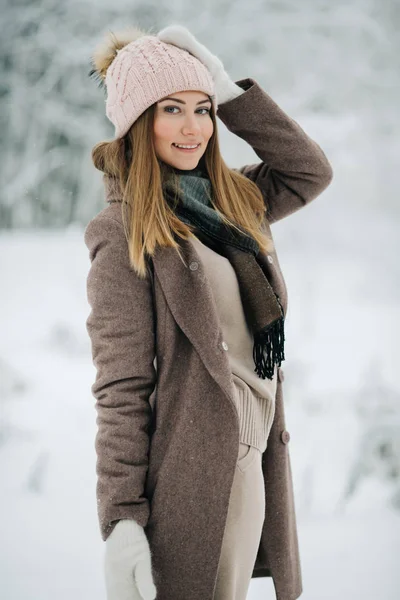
(190, 125)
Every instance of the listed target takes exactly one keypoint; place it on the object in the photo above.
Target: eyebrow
(182, 101)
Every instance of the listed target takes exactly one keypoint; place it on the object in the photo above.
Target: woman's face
(182, 118)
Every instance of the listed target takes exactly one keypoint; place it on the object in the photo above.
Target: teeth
(182, 146)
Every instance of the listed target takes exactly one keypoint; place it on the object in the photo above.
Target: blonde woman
(188, 303)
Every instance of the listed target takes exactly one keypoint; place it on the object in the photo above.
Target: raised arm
(122, 332)
(294, 169)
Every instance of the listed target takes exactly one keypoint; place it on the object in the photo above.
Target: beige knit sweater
(254, 397)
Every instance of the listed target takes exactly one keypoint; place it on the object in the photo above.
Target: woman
(188, 303)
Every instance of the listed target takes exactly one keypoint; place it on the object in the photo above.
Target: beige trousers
(243, 528)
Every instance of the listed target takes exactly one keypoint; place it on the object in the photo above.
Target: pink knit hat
(142, 72)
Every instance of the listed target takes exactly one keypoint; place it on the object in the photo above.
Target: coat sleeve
(121, 328)
(294, 169)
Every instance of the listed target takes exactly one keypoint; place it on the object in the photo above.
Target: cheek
(208, 129)
(163, 131)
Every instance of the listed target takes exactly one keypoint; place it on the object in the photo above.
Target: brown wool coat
(168, 433)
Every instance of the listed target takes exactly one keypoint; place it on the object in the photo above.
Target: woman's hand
(127, 564)
(177, 35)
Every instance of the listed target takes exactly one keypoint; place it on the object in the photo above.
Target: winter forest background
(334, 68)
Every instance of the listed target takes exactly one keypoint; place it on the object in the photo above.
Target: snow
(332, 67)
(339, 418)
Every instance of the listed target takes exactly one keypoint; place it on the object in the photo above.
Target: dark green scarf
(191, 203)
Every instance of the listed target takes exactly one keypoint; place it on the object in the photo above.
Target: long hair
(148, 219)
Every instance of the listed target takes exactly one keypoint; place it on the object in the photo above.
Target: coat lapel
(190, 298)
(191, 302)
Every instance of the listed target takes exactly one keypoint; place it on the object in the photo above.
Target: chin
(186, 165)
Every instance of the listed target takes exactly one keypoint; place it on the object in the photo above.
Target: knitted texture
(146, 70)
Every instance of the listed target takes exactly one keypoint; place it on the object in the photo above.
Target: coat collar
(189, 296)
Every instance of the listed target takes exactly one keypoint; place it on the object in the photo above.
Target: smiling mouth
(187, 147)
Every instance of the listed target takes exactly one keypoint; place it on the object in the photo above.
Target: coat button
(225, 345)
(193, 266)
(271, 260)
(285, 436)
(281, 374)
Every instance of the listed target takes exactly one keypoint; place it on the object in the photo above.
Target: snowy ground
(341, 393)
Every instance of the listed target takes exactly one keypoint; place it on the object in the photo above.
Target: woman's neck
(199, 171)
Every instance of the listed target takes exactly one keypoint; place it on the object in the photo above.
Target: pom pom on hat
(108, 49)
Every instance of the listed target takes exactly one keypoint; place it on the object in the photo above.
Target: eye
(168, 107)
(206, 109)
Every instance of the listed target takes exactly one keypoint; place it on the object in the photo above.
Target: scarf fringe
(268, 349)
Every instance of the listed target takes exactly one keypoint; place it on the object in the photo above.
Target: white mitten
(127, 564)
(177, 35)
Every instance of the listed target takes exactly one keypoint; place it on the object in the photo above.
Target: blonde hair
(147, 218)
